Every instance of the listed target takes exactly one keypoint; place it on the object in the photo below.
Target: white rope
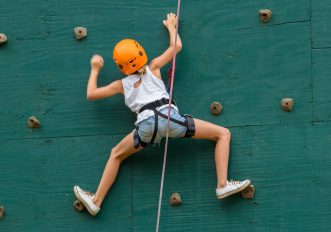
(167, 136)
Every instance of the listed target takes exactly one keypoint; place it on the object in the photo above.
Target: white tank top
(150, 89)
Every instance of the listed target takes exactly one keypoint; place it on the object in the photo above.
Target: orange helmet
(129, 56)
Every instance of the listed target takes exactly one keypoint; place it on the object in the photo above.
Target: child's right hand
(171, 21)
(96, 62)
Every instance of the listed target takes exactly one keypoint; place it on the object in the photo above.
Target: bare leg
(119, 153)
(222, 137)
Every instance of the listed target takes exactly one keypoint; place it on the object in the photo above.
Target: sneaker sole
(85, 204)
(235, 191)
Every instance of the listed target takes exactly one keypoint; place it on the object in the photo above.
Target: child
(145, 94)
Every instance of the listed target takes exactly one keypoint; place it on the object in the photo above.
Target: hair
(142, 70)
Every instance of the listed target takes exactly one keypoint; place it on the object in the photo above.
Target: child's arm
(93, 92)
(157, 63)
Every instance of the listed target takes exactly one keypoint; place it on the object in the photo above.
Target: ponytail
(142, 70)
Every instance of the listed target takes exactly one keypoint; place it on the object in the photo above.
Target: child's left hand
(96, 62)
(171, 21)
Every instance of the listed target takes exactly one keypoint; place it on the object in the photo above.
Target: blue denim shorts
(145, 128)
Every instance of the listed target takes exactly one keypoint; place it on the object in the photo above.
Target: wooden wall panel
(228, 56)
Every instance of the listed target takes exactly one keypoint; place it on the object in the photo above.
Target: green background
(228, 56)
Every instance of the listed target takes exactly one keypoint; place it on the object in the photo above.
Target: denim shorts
(145, 128)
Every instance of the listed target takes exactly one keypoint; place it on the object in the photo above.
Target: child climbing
(145, 94)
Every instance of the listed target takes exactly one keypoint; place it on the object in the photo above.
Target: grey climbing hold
(80, 32)
(287, 104)
(175, 199)
(3, 38)
(265, 15)
(216, 108)
(2, 212)
(33, 122)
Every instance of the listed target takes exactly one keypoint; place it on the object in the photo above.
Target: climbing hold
(2, 211)
(287, 104)
(33, 122)
(248, 192)
(3, 38)
(265, 15)
(175, 199)
(78, 205)
(80, 32)
(216, 108)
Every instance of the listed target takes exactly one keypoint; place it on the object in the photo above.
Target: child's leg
(119, 153)
(222, 136)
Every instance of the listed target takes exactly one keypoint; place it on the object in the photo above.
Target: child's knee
(115, 154)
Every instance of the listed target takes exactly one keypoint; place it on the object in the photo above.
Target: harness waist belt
(153, 105)
(188, 123)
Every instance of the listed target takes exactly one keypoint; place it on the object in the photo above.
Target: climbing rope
(169, 74)
(167, 136)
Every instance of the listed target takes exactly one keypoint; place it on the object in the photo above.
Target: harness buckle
(161, 102)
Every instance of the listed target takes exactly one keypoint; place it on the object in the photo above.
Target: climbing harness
(188, 123)
(167, 137)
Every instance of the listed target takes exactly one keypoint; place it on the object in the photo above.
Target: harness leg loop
(190, 131)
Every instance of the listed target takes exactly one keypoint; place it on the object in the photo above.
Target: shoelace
(88, 193)
(232, 182)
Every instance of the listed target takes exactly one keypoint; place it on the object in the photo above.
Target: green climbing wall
(228, 56)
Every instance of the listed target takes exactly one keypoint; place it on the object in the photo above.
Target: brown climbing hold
(265, 15)
(175, 199)
(248, 192)
(287, 104)
(78, 205)
(3, 38)
(33, 122)
(2, 211)
(80, 32)
(216, 108)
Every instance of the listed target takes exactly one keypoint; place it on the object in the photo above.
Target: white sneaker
(87, 199)
(232, 187)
